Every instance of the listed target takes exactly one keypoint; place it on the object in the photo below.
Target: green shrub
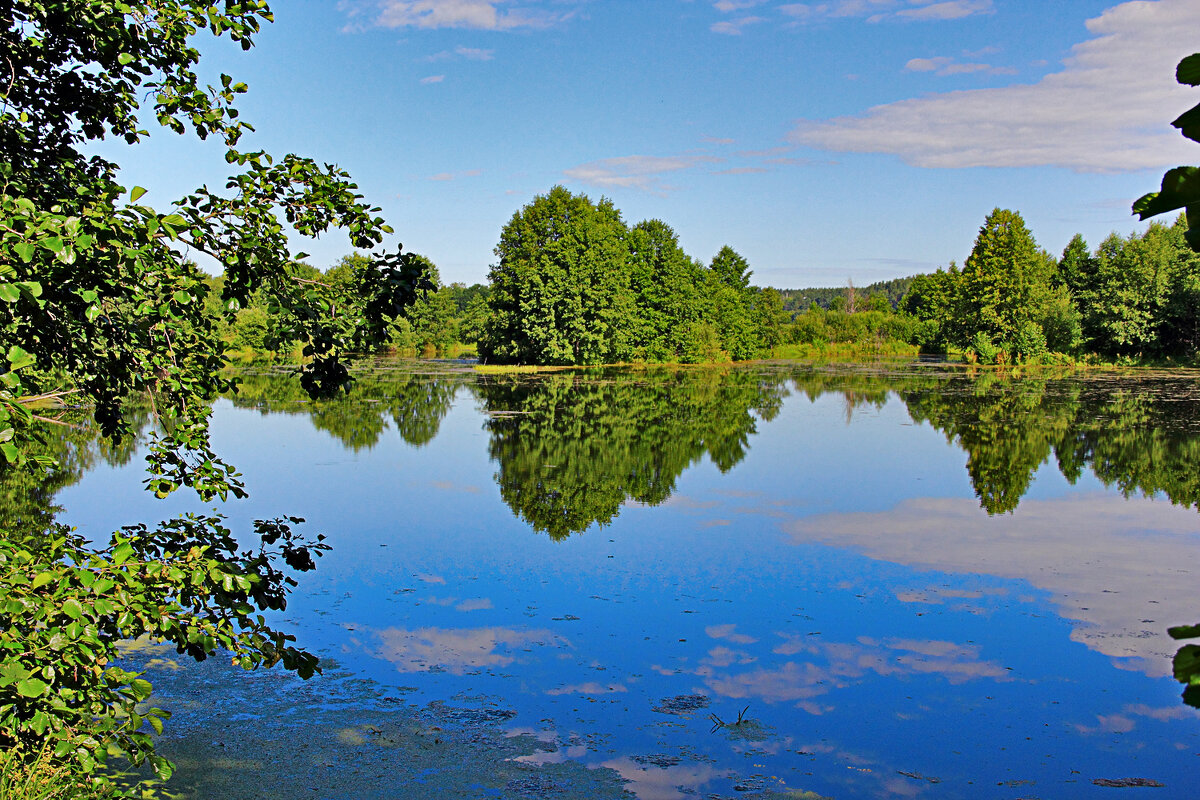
(983, 348)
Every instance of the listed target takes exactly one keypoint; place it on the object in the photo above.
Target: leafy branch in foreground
(1181, 185)
(68, 606)
(100, 301)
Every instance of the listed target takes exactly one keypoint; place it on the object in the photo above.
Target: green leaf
(19, 358)
(122, 553)
(32, 687)
(1180, 188)
(9, 293)
(1184, 632)
(124, 58)
(1188, 71)
(181, 297)
(141, 688)
(174, 220)
(25, 250)
(1189, 123)
(42, 578)
(72, 608)
(136, 193)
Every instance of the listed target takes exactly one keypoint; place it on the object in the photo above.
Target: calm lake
(904, 581)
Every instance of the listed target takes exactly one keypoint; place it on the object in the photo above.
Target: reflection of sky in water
(841, 582)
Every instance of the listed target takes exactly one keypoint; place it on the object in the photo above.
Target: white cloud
(479, 14)
(1109, 564)
(951, 9)
(736, 5)
(734, 27)
(469, 53)
(1108, 110)
(474, 53)
(880, 10)
(944, 65)
(452, 176)
(633, 172)
(742, 171)
(433, 79)
(457, 650)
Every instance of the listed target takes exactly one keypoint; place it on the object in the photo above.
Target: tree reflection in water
(573, 447)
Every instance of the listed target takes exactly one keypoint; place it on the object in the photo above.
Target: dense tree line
(872, 297)
(439, 317)
(576, 285)
(1133, 297)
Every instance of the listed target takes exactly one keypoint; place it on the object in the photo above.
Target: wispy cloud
(453, 176)
(634, 172)
(733, 27)
(946, 65)
(457, 650)
(880, 10)
(1122, 612)
(468, 53)
(736, 5)
(741, 171)
(433, 79)
(1107, 110)
(490, 15)
(950, 9)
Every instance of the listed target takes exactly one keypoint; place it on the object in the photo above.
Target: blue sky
(824, 141)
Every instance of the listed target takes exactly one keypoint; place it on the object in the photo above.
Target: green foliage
(26, 776)
(876, 329)
(576, 286)
(67, 606)
(97, 303)
(560, 294)
(1002, 286)
(1181, 185)
(796, 301)
(730, 268)
(251, 328)
(1138, 298)
(983, 349)
(1061, 323)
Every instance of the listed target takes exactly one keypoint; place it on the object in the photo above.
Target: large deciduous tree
(560, 292)
(98, 302)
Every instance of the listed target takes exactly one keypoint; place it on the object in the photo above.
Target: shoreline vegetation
(636, 298)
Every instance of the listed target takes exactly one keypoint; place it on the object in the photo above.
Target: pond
(775, 580)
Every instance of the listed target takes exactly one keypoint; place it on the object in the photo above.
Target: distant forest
(797, 301)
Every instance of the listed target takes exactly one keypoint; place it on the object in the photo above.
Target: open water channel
(765, 581)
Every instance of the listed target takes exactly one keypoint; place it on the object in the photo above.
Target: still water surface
(909, 582)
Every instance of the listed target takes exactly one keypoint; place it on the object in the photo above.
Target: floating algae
(274, 736)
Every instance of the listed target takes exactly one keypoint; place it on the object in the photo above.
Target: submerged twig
(719, 723)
